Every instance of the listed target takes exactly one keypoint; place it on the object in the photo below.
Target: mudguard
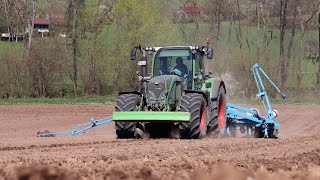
(212, 85)
(205, 94)
(130, 92)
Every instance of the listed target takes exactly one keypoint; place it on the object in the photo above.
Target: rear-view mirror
(133, 54)
(209, 53)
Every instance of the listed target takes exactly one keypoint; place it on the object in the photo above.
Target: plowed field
(97, 154)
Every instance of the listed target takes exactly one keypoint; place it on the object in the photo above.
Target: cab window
(167, 60)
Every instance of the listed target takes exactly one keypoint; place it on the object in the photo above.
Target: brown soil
(97, 154)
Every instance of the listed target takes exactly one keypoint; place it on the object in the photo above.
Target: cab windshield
(169, 61)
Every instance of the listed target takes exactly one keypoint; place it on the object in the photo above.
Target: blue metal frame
(262, 93)
(241, 116)
(80, 128)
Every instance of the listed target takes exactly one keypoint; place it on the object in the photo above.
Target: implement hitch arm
(262, 93)
(80, 128)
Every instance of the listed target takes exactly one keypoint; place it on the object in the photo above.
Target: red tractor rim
(221, 114)
(202, 116)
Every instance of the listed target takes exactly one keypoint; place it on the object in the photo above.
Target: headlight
(151, 95)
(163, 95)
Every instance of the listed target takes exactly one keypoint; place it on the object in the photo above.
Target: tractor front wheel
(126, 102)
(217, 122)
(196, 105)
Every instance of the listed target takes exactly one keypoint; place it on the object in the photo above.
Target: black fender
(142, 102)
(205, 94)
(216, 86)
(131, 92)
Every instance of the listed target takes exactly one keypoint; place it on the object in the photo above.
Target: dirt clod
(42, 134)
(115, 174)
(146, 173)
(2, 175)
(37, 172)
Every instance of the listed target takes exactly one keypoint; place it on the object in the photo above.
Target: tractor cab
(186, 62)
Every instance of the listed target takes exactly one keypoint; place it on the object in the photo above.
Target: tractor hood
(160, 85)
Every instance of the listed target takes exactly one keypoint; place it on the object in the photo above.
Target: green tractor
(177, 100)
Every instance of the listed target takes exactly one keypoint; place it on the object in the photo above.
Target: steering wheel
(176, 72)
(163, 72)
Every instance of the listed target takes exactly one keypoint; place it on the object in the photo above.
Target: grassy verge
(111, 100)
(83, 100)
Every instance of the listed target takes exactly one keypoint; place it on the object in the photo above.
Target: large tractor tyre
(126, 102)
(217, 111)
(196, 105)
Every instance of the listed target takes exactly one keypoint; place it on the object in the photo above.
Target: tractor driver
(181, 67)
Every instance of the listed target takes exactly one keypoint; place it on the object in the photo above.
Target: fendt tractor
(178, 99)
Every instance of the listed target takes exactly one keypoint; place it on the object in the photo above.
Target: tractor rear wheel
(126, 102)
(196, 105)
(217, 111)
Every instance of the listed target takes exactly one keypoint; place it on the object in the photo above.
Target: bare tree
(301, 47)
(230, 17)
(283, 19)
(5, 7)
(291, 44)
(216, 19)
(318, 59)
(98, 19)
(258, 12)
(30, 13)
(303, 25)
(26, 12)
(239, 34)
(72, 23)
(74, 47)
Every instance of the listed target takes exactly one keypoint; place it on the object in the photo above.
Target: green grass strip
(82, 100)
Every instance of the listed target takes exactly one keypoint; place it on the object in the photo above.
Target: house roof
(194, 9)
(41, 21)
(191, 9)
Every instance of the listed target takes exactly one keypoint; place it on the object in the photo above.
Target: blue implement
(263, 125)
(80, 128)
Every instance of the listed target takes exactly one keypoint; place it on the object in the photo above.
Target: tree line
(92, 59)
